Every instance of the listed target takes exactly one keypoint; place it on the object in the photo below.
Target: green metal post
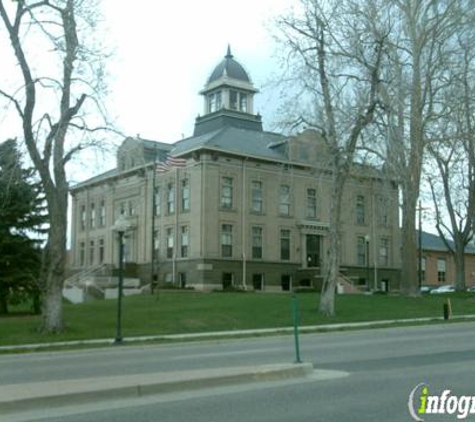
(118, 336)
(295, 309)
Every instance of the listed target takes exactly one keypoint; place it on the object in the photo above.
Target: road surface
(382, 366)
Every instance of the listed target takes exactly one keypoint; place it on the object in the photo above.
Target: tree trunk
(55, 264)
(409, 284)
(459, 260)
(332, 263)
(327, 298)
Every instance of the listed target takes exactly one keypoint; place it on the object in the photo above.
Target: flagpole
(154, 204)
(175, 249)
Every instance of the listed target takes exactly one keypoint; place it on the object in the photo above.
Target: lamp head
(121, 225)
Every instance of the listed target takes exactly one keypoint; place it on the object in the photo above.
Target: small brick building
(438, 266)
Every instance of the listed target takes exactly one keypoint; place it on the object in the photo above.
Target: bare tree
(61, 77)
(420, 49)
(452, 152)
(337, 57)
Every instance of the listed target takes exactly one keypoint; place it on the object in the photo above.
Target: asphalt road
(383, 366)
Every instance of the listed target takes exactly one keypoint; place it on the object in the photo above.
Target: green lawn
(191, 312)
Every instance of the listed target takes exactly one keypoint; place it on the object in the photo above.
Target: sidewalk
(24, 397)
(232, 333)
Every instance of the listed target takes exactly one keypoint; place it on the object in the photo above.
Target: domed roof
(230, 68)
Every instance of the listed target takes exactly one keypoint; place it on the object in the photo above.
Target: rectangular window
(233, 100)
(158, 200)
(131, 208)
(227, 192)
(257, 201)
(219, 101)
(122, 208)
(243, 102)
(311, 203)
(360, 210)
(384, 252)
(361, 250)
(383, 211)
(170, 242)
(83, 218)
(184, 241)
(211, 103)
(101, 251)
(257, 242)
(185, 195)
(91, 252)
(285, 245)
(170, 198)
(102, 214)
(284, 200)
(227, 240)
(156, 243)
(82, 254)
(92, 222)
(441, 275)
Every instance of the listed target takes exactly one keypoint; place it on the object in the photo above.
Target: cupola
(228, 98)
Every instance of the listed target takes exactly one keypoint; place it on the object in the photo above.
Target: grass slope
(191, 312)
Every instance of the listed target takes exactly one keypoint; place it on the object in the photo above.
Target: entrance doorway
(286, 282)
(313, 250)
(228, 281)
(258, 281)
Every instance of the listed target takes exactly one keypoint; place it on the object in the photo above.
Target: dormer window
(211, 103)
(243, 102)
(238, 101)
(214, 102)
(233, 100)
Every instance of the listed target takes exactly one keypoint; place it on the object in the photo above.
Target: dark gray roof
(221, 118)
(432, 242)
(155, 144)
(229, 67)
(234, 140)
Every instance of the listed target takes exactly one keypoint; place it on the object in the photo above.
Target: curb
(16, 398)
(231, 333)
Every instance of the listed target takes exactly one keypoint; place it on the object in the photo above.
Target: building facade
(438, 264)
(234, 205)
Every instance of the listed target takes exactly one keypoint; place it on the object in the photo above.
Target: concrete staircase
(346, 285)
(92, 284)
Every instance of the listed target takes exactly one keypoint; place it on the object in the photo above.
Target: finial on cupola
(229, 54)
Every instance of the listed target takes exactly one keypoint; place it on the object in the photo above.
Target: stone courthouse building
(234, 205)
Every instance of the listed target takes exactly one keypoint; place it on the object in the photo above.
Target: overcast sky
(165, 51)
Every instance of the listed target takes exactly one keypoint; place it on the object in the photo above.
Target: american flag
(170, 163)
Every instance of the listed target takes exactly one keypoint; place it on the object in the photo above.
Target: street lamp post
(366, 238)
(120, 227)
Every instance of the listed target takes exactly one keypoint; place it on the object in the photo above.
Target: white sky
(166, 50)
(163, 53)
